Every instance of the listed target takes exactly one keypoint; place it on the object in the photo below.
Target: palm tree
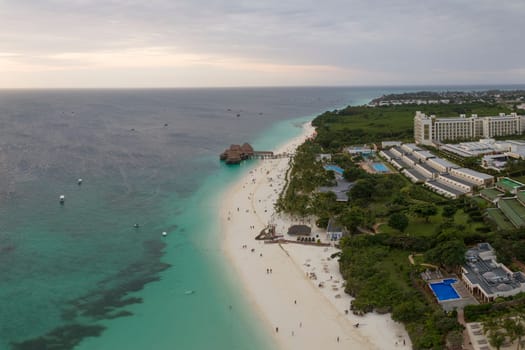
(518, 329)
(510, 327)
(492, 327)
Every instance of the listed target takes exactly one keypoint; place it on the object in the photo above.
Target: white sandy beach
(307, 316)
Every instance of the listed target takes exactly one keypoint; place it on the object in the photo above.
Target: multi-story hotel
(429, 129)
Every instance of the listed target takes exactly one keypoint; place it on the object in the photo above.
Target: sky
(214, 43)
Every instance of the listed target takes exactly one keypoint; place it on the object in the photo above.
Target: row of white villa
(438, 174)
(430, 130)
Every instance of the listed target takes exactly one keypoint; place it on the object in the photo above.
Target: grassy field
(359, 125)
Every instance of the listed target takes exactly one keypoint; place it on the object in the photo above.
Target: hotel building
(429, 129)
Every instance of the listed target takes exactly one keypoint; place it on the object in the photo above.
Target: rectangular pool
(380, 167)
(335, 169)
(444, 290)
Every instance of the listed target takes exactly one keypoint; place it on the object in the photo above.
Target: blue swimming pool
(380, 167)
(335, 168)
(444, 290)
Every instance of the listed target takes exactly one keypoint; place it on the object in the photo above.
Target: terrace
(500, 219)
(513, 210)
(508, 185)
(521, 197)
(491, 194)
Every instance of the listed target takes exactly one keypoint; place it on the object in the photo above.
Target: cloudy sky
(181, 43)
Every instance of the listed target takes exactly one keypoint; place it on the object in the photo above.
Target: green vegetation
(360, 124)
(389, 218)
(503, 320)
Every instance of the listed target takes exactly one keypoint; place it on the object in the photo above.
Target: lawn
(361, 124)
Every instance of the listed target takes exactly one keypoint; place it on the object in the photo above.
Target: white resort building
(487, 279)
(430, 129)
(438, 174)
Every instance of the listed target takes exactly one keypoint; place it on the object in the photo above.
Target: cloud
(403, 41)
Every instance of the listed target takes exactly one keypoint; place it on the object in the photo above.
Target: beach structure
(430, 130)
(235, 154)
(487, 279)
(299, 230)
(334, 231)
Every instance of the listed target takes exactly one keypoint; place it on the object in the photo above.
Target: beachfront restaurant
(487, 279)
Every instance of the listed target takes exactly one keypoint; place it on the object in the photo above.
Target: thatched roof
(247, 148)
(236, 153)
(299, 230)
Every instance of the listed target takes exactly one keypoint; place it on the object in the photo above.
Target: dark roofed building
(334, 231)
(487, 279)
(301, 230)
(237, 153)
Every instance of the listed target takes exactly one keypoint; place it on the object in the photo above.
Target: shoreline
(296, 312)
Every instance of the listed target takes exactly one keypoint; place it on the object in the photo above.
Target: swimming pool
(380, 167)
(444, 290)
(335, 168)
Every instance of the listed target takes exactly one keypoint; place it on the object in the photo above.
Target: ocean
(80, 275)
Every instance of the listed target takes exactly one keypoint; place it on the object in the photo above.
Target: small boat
(79, 182)
(62, 199)
(164, 234)
(188, 292)
(136, 226)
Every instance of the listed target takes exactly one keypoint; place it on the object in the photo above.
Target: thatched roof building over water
(237, 153)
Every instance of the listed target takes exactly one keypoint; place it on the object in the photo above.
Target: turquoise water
(166, 301)
(79, 275)
(335, 168)
(380, 167)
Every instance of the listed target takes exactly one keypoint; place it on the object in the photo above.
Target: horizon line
(263, 86)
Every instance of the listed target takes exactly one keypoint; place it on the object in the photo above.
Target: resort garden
(389, 218)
